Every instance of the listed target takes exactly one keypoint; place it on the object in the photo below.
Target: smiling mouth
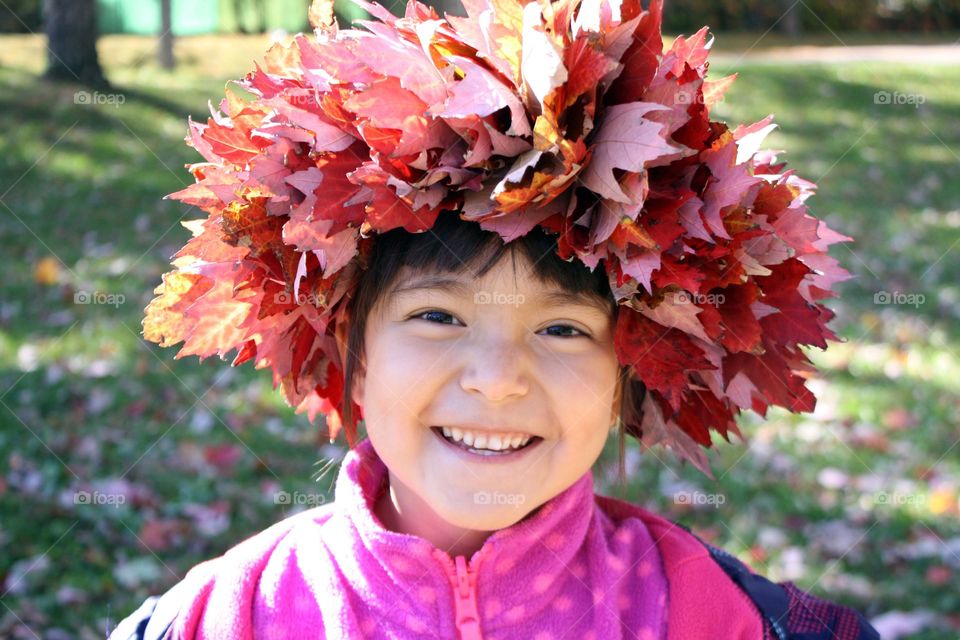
(485, 452)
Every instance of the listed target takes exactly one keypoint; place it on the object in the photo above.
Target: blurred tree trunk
(790, 24)
(261, 13)
(71, 27)
(166, 36)
(258, 12)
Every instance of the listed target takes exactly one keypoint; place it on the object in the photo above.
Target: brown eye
(567, 326)
(438, 317)
(432, 313)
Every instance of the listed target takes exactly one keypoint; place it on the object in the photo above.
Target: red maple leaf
(659, 356)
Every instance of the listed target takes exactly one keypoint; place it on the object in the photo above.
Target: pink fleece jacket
(581, 566)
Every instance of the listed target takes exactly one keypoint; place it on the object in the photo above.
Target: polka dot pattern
(505, 566)
(644, 569)
(579, 570)
(514, 614)
(400, 563)
(303, 603)
(416, 624)
(427, 595)
(554, 540)
(542, 582)
(624, 536)
(547, 582)
(616, 564)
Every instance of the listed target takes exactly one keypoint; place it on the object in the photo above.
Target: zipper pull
(465, 597)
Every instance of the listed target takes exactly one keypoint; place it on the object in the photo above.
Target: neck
(402, 511)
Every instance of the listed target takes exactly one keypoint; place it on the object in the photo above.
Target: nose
(496, 368)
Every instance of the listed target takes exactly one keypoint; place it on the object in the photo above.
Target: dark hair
(453, 245)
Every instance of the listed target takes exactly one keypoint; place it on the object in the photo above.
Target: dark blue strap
(152, 619)
(134, 626)
(770, 598)
(773, 601)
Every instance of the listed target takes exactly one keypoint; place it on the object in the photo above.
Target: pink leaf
(627, 140)
(542, 65)
(481, 93)
(732, 181)
(678, 311)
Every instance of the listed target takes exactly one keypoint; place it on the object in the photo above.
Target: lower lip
(501, 458)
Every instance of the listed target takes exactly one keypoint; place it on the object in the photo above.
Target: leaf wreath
(566, 114)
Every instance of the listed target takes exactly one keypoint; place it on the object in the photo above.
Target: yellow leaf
(321, 15)
(942, 501)
(47, 271)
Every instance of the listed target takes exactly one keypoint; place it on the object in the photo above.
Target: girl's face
(499, 353)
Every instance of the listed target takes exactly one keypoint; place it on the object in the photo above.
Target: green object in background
(288, 15)
(207, 16)
(347, 12)
(139, 17)
(257, 16)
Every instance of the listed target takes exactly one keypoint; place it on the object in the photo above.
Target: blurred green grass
(834, 500)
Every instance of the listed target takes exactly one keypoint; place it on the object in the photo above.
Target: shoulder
(708, 584)
(678, 547)
(153, 619)
(703, 602)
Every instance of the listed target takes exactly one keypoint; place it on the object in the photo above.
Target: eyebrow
(551, 298)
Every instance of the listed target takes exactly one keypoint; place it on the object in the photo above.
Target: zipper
(463, 578)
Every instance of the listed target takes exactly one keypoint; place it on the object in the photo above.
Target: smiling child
(493, 241)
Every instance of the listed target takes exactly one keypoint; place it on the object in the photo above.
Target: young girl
(491, 322)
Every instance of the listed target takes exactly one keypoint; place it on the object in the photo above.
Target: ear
(341, 334)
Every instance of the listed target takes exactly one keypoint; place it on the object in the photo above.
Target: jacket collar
(373, 558)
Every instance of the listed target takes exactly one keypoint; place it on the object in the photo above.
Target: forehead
(541, 294)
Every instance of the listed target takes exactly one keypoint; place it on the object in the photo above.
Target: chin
(480, 517)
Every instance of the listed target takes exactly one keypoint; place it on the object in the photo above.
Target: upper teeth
(486, 441)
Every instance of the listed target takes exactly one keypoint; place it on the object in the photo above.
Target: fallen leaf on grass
(47, 271)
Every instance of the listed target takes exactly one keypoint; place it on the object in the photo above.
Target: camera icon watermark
(898, 98)
(286, 297)
(498, 498)
(99, 498)
(96, 97)
(301, 99)
(696, 98)
(899, 298)
(299, 498)
(699, 499)
(99, 297)
(498, 297)
(897, 499)
(688, 297)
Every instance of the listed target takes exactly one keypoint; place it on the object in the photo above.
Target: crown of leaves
(566, 114)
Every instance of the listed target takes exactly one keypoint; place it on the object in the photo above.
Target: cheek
(401, 380)
(398, 397)
(582, 407)
(584, 387)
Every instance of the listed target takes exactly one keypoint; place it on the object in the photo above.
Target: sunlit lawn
(857, 501)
